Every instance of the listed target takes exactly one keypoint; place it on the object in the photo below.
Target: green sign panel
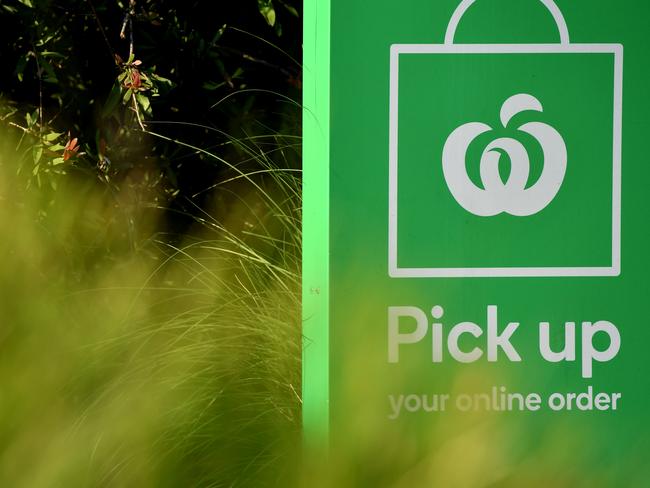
(477, 241)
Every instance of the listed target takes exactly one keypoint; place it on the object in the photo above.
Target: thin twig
(267, 42)
(125, 22)
(101, 29)
(137, 112)
(25, 132)
(131, 35)
(18, 126)
(128, 20)
(253, 59)
(40, 92)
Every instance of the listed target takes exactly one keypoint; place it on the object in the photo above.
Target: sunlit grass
(172, 362)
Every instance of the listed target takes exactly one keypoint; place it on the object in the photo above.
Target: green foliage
(67, 64)
(267, 11)
(135, 86)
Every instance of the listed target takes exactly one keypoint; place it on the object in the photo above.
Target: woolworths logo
(505, 159)
(513, 196)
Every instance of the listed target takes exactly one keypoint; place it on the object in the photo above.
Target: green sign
(476, 241)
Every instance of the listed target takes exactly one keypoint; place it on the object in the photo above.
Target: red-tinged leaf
(71, 144)
(70, 149)
(137, 81)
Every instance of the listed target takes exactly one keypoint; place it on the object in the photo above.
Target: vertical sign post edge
(315, 225)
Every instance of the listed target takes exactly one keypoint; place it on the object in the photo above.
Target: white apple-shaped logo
(512, 196)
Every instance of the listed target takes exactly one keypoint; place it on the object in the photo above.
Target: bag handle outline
(466, 4)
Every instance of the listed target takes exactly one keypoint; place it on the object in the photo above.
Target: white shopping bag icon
(453, 210)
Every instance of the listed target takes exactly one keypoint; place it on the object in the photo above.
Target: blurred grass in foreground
(128, 359)
(153, 364)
